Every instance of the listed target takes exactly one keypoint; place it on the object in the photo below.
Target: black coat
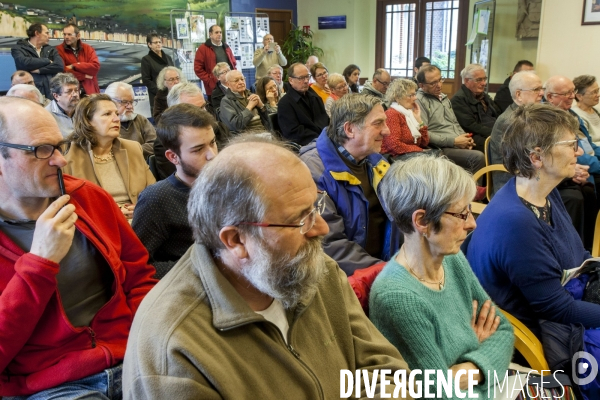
(26, 59)
(301, 118)
(471, 117)
(503, 98)
(152, 64)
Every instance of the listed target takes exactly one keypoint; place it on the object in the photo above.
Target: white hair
(518, 80)
(468, 71)
(160, 79)
(20, 88)
(189, 88)
(111, 89)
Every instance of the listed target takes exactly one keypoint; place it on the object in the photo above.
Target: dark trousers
(580, 202)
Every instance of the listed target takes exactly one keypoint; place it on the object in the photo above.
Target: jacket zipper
(92, 336)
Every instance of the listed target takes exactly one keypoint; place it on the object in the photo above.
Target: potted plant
(298, 46)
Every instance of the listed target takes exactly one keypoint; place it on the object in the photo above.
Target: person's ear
(536, 158)
(350, 130)
(172, 157)
(419, 223)
(234, 241)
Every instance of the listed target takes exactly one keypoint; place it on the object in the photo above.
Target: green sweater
(432, 329)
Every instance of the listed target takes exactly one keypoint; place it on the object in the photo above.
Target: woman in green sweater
(427, 301)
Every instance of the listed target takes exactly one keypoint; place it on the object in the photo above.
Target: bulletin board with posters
(244, 33)
(482, 33)
(189, 29)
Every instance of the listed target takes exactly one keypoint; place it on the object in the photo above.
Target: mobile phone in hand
(61, 182)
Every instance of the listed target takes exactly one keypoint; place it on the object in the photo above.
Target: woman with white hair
(167, 78)
(428, 197)
(408, 134)
(339, 88)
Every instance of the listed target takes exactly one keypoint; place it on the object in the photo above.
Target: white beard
(127, 117)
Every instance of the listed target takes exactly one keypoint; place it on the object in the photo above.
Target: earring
(537, 175)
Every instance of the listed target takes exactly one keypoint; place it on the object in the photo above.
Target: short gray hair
(424, 182)
(61, 79)
(468, 71)
(189, 88)
(518, 81)
(160, 79)
(21, 87)
(111, 89)
(352, 108)
(335, 79)
(279, 67)
(398, 89)
(218, 67)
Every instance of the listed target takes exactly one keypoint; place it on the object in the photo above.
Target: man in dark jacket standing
(80, 59)
(301, 112)
(209, 54)
(475, 110)
(37, 57)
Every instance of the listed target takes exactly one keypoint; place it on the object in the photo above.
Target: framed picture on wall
(591, 12)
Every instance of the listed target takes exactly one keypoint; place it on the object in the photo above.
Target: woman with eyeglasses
(339, 88)
(268, 91)
(320, 74)
(100, 156)
(408, 134)
(426, 301)
(588, 97)
(152, 64)
(352, 75)
(167, 78)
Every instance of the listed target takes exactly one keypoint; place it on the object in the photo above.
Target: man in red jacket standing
(72, 271)
(209, 54)
(80, 59)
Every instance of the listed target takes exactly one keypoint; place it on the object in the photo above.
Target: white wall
(353, 45)
(565, 46)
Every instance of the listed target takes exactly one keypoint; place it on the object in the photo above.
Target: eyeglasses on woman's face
(464, 216)
(574, 143)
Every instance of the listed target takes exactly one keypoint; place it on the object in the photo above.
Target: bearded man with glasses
(254, 309)
(73, 273)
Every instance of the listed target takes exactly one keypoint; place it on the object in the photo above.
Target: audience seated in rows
(301, 112)
(339, 88)
(588, 96)
(320, 73)
(134, 126)
(270, 54)
(475, 110)
(378, 86)
(503, 97)
(408, 134)
(160, 220)
(429, 199)
(65, 91)
(245, 287)
(241, 110)
(345, 162)
(73, 271)
(100, 156)
(166, 79)
(352, 75)
(444, 130)
(29, 92)
(220, 72)
(276, 72)
(268, 92)
(525, 240)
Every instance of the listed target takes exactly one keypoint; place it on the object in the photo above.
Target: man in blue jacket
(345, 162)
(37, 57)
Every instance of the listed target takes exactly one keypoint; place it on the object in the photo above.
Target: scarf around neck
(411, 121)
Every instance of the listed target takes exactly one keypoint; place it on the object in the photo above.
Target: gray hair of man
(111, 89)
(276, 66)
(335, 79)
(378, 73)
(468, 71)
(160, 79)
(189, 88)
(519, 81)
(24, 91)
(352, 108)
(217, 69)
(60, 80)
(222, 184)
(399, 89)
(425, 182)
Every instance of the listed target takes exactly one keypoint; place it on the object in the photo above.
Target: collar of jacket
(120, 155)
(54, 108)
(340, 171)
(209, 44)
(431, 96)
(297, 96)
(229, 309)
(369, 88)
(471, 97)
(78, 48)
(157, 58)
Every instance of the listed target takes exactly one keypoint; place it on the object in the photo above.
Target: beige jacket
(130, 160)
(194, 337)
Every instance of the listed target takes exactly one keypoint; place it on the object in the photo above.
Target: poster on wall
(262, 28)
(197, 29)
(247, 55)
(483, 54)
(182, 28)
(484, 21)
(232, 24)
(232, 38)
(210, 22)
(246, 30)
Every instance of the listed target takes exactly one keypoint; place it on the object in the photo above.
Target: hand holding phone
(61, 182)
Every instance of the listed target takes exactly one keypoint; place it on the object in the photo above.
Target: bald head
(560, 91)
(21, 77)
(28, 92)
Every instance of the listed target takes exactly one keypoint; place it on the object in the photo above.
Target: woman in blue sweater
(427, 301)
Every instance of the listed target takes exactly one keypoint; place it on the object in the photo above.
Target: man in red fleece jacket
(80, 59)
(72, 271)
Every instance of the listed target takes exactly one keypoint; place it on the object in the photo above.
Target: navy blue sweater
(519, 260)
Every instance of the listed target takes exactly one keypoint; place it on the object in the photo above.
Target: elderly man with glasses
(475, 110)
(73, 272)
(134, 126)
(254, 309)
(301, 112)
(65, 90)
(444, 130)
(379, 85)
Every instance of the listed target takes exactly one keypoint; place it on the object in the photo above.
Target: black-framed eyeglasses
(464, 216)
(306, 223)
(574, 143)
(385, 84)
(302, 78)
(126, 103)
(43, 151)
